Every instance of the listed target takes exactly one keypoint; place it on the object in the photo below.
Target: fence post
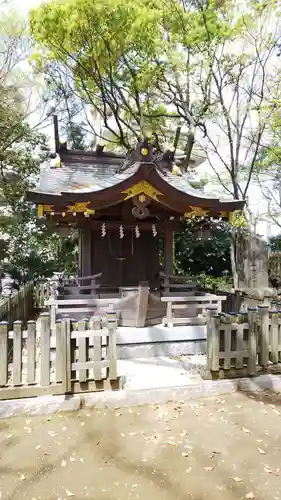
(45, 336)
(264, 335)
(112, 348)
(82, 350)
(17, 353)
(53, 308)
(252, 340)
(96, 325)
(65, 331)
(213, 340)
(31, 351)
(274, 337)
(3, 353)
(142, 304)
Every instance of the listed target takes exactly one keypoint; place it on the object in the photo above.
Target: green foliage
(27, 248)
(200, 252)
(34, 250)
(130, 60)
(275, 243)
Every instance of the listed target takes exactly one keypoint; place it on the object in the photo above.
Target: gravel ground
(223, 449)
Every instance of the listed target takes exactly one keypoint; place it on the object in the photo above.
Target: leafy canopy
(131, 60)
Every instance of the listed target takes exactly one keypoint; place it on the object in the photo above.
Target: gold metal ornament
(196, 212)
(142, 187)
(81, 207)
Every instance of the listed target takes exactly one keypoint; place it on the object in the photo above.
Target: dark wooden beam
(169, 249)
(85, 252)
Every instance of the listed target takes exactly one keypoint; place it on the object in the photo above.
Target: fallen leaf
(237, 479)
(262, 452)
(250, 495)
(69, 493)
(270, 471)
(63, 463)
(246, 430)
(208, 469)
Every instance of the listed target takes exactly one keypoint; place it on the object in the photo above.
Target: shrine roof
(89, 174)
(80, 178)
(104, 179)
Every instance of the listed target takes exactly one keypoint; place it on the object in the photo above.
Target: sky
(24, 5)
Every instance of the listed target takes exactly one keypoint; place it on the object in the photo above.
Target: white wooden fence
(75, 359)
(188, 309)
(244, 344)
(18, 305)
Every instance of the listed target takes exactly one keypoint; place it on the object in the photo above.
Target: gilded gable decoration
(142, 188)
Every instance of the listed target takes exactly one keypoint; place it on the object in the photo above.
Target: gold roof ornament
(142, 187)
(196, 212)
(48, 208)
(81, 207)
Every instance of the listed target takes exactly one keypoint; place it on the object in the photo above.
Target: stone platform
(158, 340)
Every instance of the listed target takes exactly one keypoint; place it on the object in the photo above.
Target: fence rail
(244, 343)
(184, 310)
(84, 357)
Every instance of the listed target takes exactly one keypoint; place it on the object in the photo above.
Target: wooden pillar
(169, 249)
(85, 252)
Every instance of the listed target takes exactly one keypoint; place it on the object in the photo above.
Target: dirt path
(227, 448)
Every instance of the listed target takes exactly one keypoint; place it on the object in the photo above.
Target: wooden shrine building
(122, 206)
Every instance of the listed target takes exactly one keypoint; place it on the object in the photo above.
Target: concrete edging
(47, 405)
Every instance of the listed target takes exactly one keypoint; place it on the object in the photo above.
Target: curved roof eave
(175, 192)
